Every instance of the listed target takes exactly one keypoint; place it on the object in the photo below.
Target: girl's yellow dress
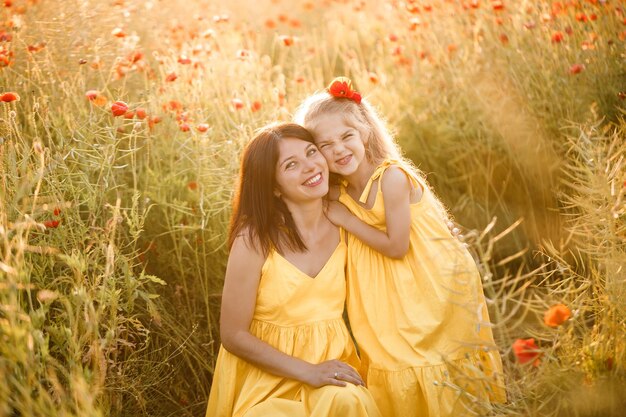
(420, 322)
(302, 317)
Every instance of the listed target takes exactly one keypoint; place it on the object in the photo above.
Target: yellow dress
(420, 322)
(302, 317)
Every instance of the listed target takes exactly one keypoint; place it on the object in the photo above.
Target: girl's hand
(333, 372)
(337, 213)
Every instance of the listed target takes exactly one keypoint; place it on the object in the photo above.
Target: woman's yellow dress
(421, 322)
(302, 317)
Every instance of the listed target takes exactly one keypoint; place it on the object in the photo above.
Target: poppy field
(121, 126)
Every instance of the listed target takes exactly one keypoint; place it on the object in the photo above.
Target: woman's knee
(346, 397)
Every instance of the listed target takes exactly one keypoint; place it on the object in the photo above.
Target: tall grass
(114, 309)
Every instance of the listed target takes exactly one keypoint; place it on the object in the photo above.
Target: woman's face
(301, 171)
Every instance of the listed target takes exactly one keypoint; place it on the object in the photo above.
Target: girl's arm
(394, 243)
(241, 283)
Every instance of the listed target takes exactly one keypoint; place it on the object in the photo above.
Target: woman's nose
(309, 164)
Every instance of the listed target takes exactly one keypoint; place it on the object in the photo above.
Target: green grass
(115, 310)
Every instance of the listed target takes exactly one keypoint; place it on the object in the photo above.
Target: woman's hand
(333, 372)
(337, 213)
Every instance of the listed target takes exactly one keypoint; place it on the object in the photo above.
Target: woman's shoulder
(246, 242)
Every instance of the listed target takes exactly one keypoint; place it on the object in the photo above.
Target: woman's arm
(241, 283)
(394, 243)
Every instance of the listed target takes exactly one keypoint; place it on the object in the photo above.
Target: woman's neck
(309, 217)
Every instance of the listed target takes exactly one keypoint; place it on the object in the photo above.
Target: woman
(285, 348)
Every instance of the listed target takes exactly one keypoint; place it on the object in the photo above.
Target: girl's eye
(311, 151)
(348, 136)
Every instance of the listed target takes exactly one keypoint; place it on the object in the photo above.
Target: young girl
(286, 351)
(415, 300)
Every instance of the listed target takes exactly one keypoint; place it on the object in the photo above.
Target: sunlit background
(121, 125)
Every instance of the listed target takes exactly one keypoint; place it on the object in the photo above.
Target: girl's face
(342, 145)
(301, 171)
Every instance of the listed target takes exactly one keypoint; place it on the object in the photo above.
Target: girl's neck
(359, 179)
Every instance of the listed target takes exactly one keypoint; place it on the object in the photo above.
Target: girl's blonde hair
(380, 144)
(379, 141)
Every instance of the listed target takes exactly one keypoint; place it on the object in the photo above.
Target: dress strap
(342, 235)
(379, 172)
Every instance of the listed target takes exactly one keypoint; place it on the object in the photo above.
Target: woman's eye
(290, 165)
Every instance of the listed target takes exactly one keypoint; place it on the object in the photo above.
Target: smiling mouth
(344, 160)
(313, 181)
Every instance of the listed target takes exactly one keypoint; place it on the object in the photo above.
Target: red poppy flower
(92, 94)
(141, 113)
(184, 127)
(556, 315)
(153, 120)
(118, 33)
(9, 97)
(183, 60)
(526, 350)
(576, 69)
(243, 54)
(51, 224)
(237, 103)
(581, 17)
(36, 47)
(497, 5)
(557, 37)
(171, 77)
(173, 105)
(342, 87)
(286, 40)
(255, 106)
(412, 8)
(192, 185)
(135, 56)
(373, 77)
(57, 211)
(119, 108)
(202, 127)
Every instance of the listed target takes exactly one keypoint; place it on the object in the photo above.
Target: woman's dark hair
(258, 213)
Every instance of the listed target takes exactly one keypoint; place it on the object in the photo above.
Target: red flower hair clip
(342, 87)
